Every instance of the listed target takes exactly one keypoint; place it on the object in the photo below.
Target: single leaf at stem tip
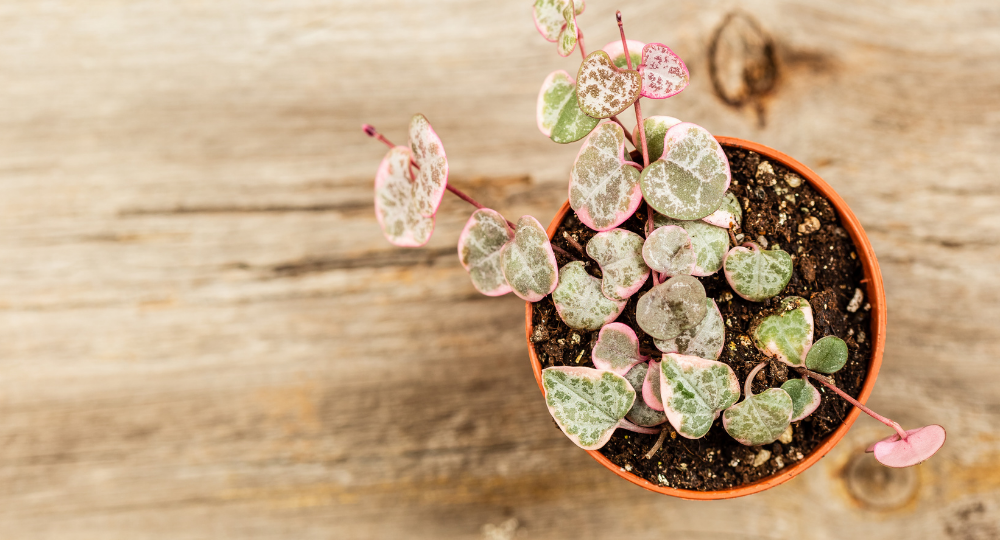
(694, 391)
(710, 243)
(528, 262)
(728, 215)
(759, 419)
(569, 34)
(479, 246)
(616, 51)
(788, 334)
(395, 207)
(619, 253)
(558, 112)
(671, 307)
(805, 397)
(579, 301)
(656, 128)
(651, 387)
(663, 72)
(603, 89)
(827, 355)
(603, 185)
(642, 414)
(617, 349)
(668, 250)
(690, 179)
(586, 403)
(757, 274)
(704, 340)
(431, 177)
(550, 18)
(919, 444)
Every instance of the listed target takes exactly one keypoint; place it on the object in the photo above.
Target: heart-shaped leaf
(395, 205)
(619, 253)
(759, 419)
(704, 340)
(671, 307)
(603, 186)
(709, 242)
(586, 403)
(432, 174)
(568, 36)
(919, 444)
(827, 355)
(617, 349)
(641, 414)
(616, 51)
(788, 334)
(558, 113)
(651, 387)
(728, 215)
(656, 129)
(528, 263)
(757, 274)
(603, 89)
(579, 301)
(550, 18)
(805, 397)
(663, 72)
(479, 245)
(695, 391)
(668, 250)
(690, 178)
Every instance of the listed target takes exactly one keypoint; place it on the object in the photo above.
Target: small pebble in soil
(855, 302)
(786, 436)
(762, 457)
(793, 180)
(809, 225)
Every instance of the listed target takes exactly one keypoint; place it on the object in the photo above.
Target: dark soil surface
(827, 272)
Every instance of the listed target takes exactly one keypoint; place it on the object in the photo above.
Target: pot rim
(875, 296)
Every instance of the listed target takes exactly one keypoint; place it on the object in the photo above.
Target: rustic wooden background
(204, 335)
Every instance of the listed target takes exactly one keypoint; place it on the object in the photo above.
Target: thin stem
(636, 106)
(373, 133)
(753, 373)
(657, 445)
(573, 242)
(628, 136)
(468, 199)
(826, 382)
(625, 424)
(564, 252)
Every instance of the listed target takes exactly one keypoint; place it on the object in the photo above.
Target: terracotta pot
(875, 296)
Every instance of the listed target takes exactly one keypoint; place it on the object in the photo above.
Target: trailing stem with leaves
(681, 174)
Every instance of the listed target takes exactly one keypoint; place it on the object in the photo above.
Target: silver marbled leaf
(603, 185)
(704, 340)
(710, 243)
(757, 274)
(479, 246)
(396, 207)
(641, 414)
(671, 307)
(668, 250)
(617, 349)
(619, 253)
(431, 173)
(788, 334)
(528, 263)
(690, 179)
(695, 391)
(579, 301)
(805, 397)
(587, 404)
(603, 89)
(729, 214)
(760, 418)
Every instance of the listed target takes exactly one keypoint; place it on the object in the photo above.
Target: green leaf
(479, 246)
(805, 397)
(690, 178)
(759, 419)
(641, 414)
(656, 129)
(827, 355)
(671, 307)
(710, 243)
(586, 403)
(668, 250)
(558, 113)
(603, 185)
(395, 202)
(695, 391)
(787, 335)
(619, 253)
(579, 301)
(528, 263)
(603, 89)
(431, 172)
(704, 340)
(757, 274)
(728, 215)
(617, 349)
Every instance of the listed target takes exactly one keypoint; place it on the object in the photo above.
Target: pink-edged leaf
(704, 340)
(616, 51)
(569, 34)
(549, 16)
(642, 414)
(395, 207)
(586, 403)
(619, 253)
(757, 274)
(656, 130)
(603, 185)
(579, 301)
(663, 72)
(668, 250)
(919, 444)
(728, 215)
(651, 387)
(528, 262)
(479, 246)
(690, 179)
(558, 112)
(805, 397)
(617, 349)
(671, 307)
(695, 391)
(710, 243)
(788, 334)
(759, 418)
(431, 179)
(603, 89)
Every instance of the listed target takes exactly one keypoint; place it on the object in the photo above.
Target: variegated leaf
(695, 391)
(479, 246)
(651, 387)
(432, 173)
(558, 113)
(617, 349)
(616, 51)
(788, 334)
(728, 215)
(395, 207)
(603, 186)
(690, 178)
(759, 419)
(668, 250)
(619, 253)
(603, 89)
(827, 355)
(663, 72)
(550, 18)
(641, 414)
(757, 274)
(805, 397)
(671, 307)
(704, 340)
(569, 34)
(656, 130)
(528, 263)
(586, 403)
(579, 301)
(710, 243)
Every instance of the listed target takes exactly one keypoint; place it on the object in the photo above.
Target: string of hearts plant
(683, 179)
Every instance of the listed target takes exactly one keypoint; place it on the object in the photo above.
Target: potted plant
(705, 315)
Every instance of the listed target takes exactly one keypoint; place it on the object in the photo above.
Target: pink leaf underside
(395, 210)
(479, 253)
(432, 177)
(602, 179)
(540, 104)
(920, 444)
(617, 349)
(663, 72)
(720, 218)
(651, 387)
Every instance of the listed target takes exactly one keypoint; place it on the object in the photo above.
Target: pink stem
(825, 382)
(574, 243)
(625, 424)
(564, 252)
(753, 373)
(373, 133)
(636, 106)
(628, 136)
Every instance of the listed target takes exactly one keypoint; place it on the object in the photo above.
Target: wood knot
(742, 62)
(877, 487)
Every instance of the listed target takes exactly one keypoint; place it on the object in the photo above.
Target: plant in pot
(678, 277)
